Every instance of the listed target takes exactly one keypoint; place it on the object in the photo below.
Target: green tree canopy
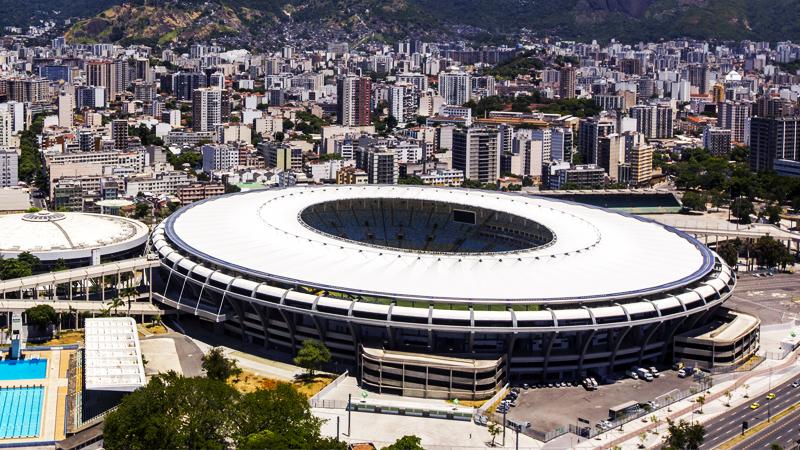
(219, 367)
(41, 315)
(742, 208)
(312, 355)
(696, 201)
(408, 442)
(684, 435)
(771, 253)
(202, 413)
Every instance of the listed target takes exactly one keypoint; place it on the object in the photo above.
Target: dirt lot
(549, 408)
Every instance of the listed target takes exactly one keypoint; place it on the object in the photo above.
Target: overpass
(87, 290)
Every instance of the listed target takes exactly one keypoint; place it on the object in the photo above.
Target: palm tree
(128, 293)
(654, 419)
(746, 387)
(115, 303)
(494, 430)
(728, 395)
(701, 400)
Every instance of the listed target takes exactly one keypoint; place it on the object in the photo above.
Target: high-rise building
(476, 151)
(184, 84)
(65, 104)
(28, 90)
(381, 166)
(102, 73)
(589, 132)
(455, 87)
(6, 129)
(403, 103)
(640, 160)
(733, 116)
(698, 77)
(119, 134)
(9, 160)
(772, 139)
(219, 157)
(206, 109)
(717, 140)
(562, 144)
(566, 82)
(654, 121)
(354, 101)
(773, 107)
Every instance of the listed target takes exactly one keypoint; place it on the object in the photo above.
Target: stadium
(445, 292)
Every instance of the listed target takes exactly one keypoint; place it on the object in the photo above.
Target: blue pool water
(20, 411)
(25, 369)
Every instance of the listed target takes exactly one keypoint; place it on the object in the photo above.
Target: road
(721, 429)
(785, 433)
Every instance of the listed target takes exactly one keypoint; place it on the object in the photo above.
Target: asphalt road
(719, 430)
(785, 433)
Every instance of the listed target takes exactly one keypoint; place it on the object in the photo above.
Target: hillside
(309, 21)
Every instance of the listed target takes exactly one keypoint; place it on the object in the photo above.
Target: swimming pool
(24, 369)
(20, 411)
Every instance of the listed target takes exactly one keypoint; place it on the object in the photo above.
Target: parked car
(654, 371)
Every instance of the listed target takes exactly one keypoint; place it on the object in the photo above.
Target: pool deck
(55, 390)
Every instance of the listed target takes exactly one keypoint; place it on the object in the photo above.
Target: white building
(9, 161)
(219, 157)
(455, 87)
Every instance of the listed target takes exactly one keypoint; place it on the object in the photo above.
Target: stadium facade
(442, 292)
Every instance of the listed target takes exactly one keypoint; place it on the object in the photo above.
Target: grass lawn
(249, 382)
(67, 337)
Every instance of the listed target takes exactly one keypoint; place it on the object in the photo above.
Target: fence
(703, 382)
(317, 402)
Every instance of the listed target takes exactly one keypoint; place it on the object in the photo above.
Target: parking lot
(549, 408)
(773, 299)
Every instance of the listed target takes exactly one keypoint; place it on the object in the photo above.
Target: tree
(642, 439)
(60, 265)
(142, 210)
(701, 400)
(408, 442)
(312, 355)
(203, 413)
(219, 367)
(29, 260)
(279, 136)
(695, 201)
(729, 396)
(742, 208)
(494, 430)
(114, 304)
(684, 435)
(773, 213)
(41, 315)
(729, 251)
(771, 253)
(14, 268)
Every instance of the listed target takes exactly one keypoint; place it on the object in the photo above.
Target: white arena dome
(70, 236)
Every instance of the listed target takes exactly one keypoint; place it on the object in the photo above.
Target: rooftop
(44, 232)
(113, 358)
(596, 253)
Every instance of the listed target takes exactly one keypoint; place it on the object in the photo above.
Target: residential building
(206, 109)
(455, 87)
(354, 101)
(773, 139)
(476, 152)
(9, 167)
(717, 140)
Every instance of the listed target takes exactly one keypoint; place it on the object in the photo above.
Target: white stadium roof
(596, 253)
(53, 235)
(113, 358)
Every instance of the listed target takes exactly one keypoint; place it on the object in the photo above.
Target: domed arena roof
(69, 235)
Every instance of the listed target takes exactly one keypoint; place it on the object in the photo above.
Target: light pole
(504, 426)
(349, 412)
